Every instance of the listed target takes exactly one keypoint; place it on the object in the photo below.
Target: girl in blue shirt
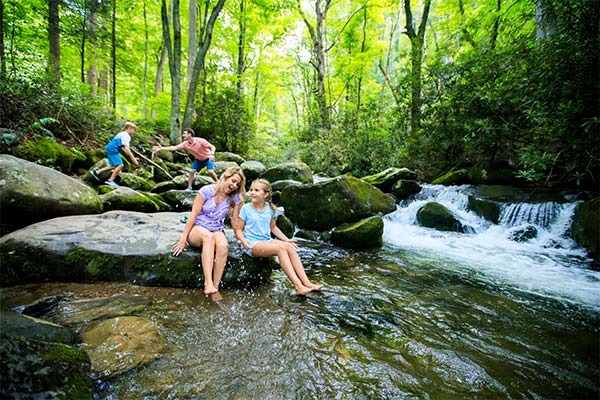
(254, 228)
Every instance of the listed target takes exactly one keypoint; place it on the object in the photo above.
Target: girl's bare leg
(277, 248)
(221, 249)
(298, 267)
(200, 237)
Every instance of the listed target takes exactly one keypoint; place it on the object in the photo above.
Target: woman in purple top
(204, 228)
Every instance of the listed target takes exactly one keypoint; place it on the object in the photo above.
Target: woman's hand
(179, 247)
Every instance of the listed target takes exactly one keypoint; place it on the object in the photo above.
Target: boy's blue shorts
(114, 159)
(198, 165)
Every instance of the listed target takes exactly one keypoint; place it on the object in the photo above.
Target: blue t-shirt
(121, 139)
(257, 227)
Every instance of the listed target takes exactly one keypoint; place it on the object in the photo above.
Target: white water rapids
(550, 264)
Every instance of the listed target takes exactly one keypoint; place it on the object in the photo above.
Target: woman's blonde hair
(266, 186)
(241, 190)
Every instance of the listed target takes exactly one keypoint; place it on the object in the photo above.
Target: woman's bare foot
(210, 289)
(302, 290)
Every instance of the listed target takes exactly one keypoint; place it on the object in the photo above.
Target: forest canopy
(347, 86)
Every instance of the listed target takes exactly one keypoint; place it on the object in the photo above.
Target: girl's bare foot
(314, 287)
(216, 296)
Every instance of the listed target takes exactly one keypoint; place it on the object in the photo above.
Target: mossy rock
(124, 198)
(252, 170)
(136, 182)
(386, 179)
(487, 209)
(227, 156)
(296, 171)
(586, 226)
(48, 152)
(363, 234)
(286, 226)
(325, 205)
(404, 188)
(437, 216)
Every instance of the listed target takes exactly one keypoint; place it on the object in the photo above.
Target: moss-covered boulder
(278, 186)
(124, 198)
(362, 234)
(31, 328)
(38, 364)
(286, 226)
(296, 171)
(330, 203)
(179, 200)
(227, 156)
(404, 188)
(49, 152)
(121, 246)
(136, 182)
(487, 209)
(437, 216)
(586, 226)
(384, 180)
(221, 166)
(252, 170)
(30, 193)
(462, 176)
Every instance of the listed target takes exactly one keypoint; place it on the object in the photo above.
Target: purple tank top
(212, 216)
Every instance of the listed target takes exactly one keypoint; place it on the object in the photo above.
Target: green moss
(94, 265)
(48, 152)
(24, 264)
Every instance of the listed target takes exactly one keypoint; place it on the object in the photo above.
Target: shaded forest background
(347, 86)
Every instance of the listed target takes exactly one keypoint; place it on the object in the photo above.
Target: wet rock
(404, 188)
(119, 344)
(27, 327)
(330, 203)
(435, 215)
(487, 209)
(586, 226)
(386, 179)
(121, 246)
(363, 234)
(523, 234)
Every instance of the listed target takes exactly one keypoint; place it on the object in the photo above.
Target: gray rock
(362, 234)
(30, 193)
(120, 246)
(296, 171)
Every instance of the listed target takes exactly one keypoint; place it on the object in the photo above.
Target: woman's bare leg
(221, 250)
(200, 237)
(277, 248)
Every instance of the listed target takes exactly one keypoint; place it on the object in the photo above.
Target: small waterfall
(530, 248)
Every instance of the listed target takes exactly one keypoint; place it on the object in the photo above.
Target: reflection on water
(389, 325)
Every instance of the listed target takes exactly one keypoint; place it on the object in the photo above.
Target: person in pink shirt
(201, 149)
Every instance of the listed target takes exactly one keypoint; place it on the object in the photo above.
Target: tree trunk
(2, 55)
(113, 56)
(241, 65)
(545, 19)
(174, 56)
(92, 71)
(192, 38)
(54, 38)
(83, 35)
(417, 41)
(496, 27)
(162, 61)
(318, 40)
(145, 79)
(363, 47)
(205, 41)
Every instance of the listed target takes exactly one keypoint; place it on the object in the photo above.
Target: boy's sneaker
(112, 183)
(95, 175)
(189, 189)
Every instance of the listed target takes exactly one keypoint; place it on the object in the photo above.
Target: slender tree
(241, 60)
(204, 44)
(54, 38)
(417, 42)
(174, 57)
(145, 78)
(192, 37)
(2, 55)
(113, 56)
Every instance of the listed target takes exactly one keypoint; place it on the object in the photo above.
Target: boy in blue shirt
(115, 163)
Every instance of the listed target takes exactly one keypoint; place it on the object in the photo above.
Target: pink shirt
(201, 149)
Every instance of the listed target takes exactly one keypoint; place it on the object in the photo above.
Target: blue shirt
(121, 139)
(257, 227)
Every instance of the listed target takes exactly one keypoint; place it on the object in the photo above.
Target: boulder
(135, 182)
(36, 364)
(362, 234)
(384, 180)
(227, 156)
(124, 198)
(330, 203)
(487, 209)
(252, 170)
(437, 216)
(278, 186)
(286, 226)
(523, 234)
(404, 188)
(586, 226)
(179, 200)
(221, 166)
(296, 171)
(31, 328)
(121, 246)
(30, 193)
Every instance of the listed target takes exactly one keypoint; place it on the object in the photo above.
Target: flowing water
(430, 315)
